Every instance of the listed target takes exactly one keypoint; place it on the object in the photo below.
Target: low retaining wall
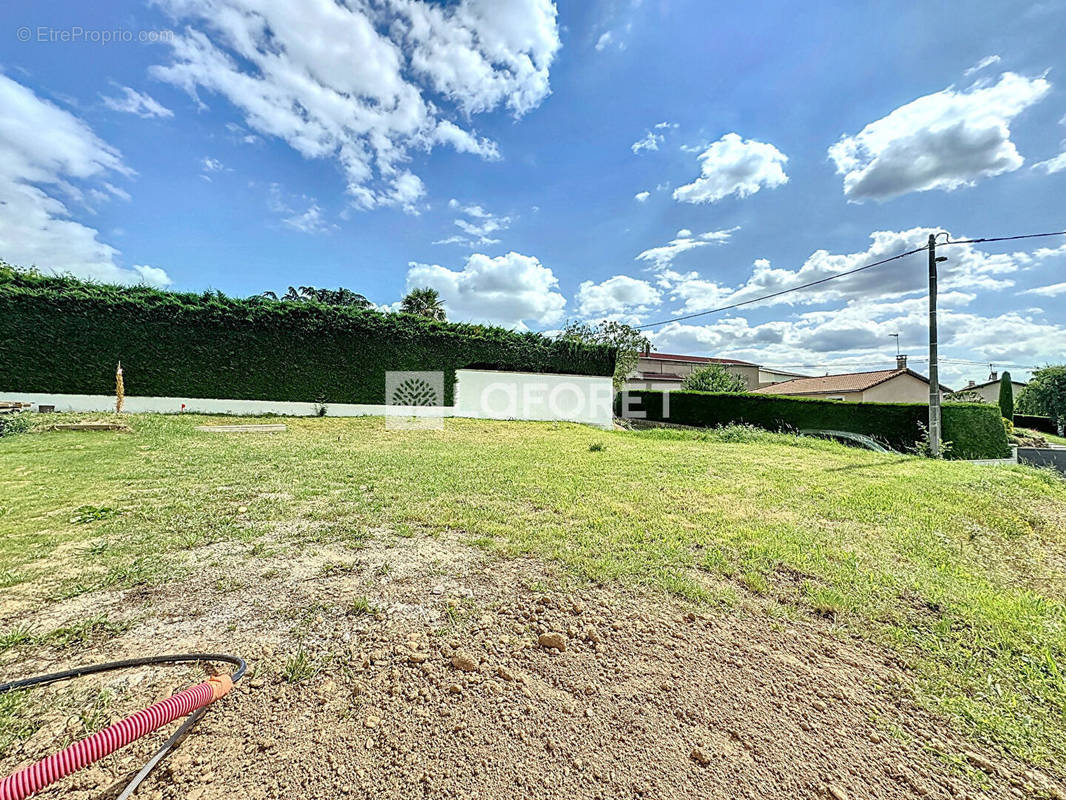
(1043, 457)
(479, 394)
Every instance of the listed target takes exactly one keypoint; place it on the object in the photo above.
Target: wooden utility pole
(934, 366)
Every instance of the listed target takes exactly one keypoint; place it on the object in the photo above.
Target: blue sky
(538, 162)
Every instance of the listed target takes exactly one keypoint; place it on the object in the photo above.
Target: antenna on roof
(896, 336)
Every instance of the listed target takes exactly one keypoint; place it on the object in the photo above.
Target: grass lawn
(1052, 438)
(961, 569)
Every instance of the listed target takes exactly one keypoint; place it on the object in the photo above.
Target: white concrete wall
(481, 394)
(488, 394)
(199, 405)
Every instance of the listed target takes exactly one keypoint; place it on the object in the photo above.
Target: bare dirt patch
(421, 667)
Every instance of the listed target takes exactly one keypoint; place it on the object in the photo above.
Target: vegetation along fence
(60, 335)
(975, 430)
(1035, 423)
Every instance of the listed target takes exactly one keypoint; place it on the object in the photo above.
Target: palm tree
(424, 302)
(329, 297)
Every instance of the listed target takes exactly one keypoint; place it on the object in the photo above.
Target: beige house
(989, 390)
(664, 372)
(900, 385)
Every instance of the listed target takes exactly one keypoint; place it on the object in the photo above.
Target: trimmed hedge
(61, 335)
(975, 430)
(1042, 424)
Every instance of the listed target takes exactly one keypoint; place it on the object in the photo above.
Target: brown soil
(447, 691)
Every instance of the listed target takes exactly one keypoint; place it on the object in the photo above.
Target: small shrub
(713, 378)
(597, 447)
(15, 423)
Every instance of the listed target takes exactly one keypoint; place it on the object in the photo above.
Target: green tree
(1045, 394)
(1006, 396)
(628, 341)
(713, 378)
(424, 302)
(327, 297)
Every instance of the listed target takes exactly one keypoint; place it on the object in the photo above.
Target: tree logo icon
(414, 400)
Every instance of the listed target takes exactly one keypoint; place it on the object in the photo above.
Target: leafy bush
(713, 378)
(1045, 394)
(975, 430)
(64, 335)
(17, 422)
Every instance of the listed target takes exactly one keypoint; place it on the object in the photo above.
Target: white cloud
(510, 290)
(1054, 290)
(984, 63)
(851, 339)
(662, 256)
(139, 103)
(966, 269)
(618, 297)
(310, 220)
(208, 164)
(478, 227)
(604, 41)
(1052, 165)
(46, 151)
(288, 67)
(651, 141)
(942, 141)
(641, 197)
(734, 166)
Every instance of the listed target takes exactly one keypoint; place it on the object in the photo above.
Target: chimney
(901, 362)
(993, 376)
(970, 384)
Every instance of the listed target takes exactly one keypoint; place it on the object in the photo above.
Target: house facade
(900, 385)
(989, 390)
(664, 372)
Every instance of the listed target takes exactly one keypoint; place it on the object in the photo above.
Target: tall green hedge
(975, 430)
(62, 335)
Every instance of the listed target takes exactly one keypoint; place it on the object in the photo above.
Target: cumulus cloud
(311, 220)
(651, 141)
(513, 290)
(1053, 290)
(605, 40)
(289, 69)
(944, 140)
(684, 241)
(856, 337)
(619, 297)
(1052, 165)
(967, 268)
(733, 165)
(133, 102)
(641, 197)
(478, 226)
(47, 153)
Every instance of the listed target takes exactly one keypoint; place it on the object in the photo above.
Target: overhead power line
(844, 274)
(1004, 238)
(783, 291)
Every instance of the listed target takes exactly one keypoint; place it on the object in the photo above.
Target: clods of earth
(423, 668)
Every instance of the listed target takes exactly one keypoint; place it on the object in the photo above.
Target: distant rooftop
(697, 359)
(845, 382)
